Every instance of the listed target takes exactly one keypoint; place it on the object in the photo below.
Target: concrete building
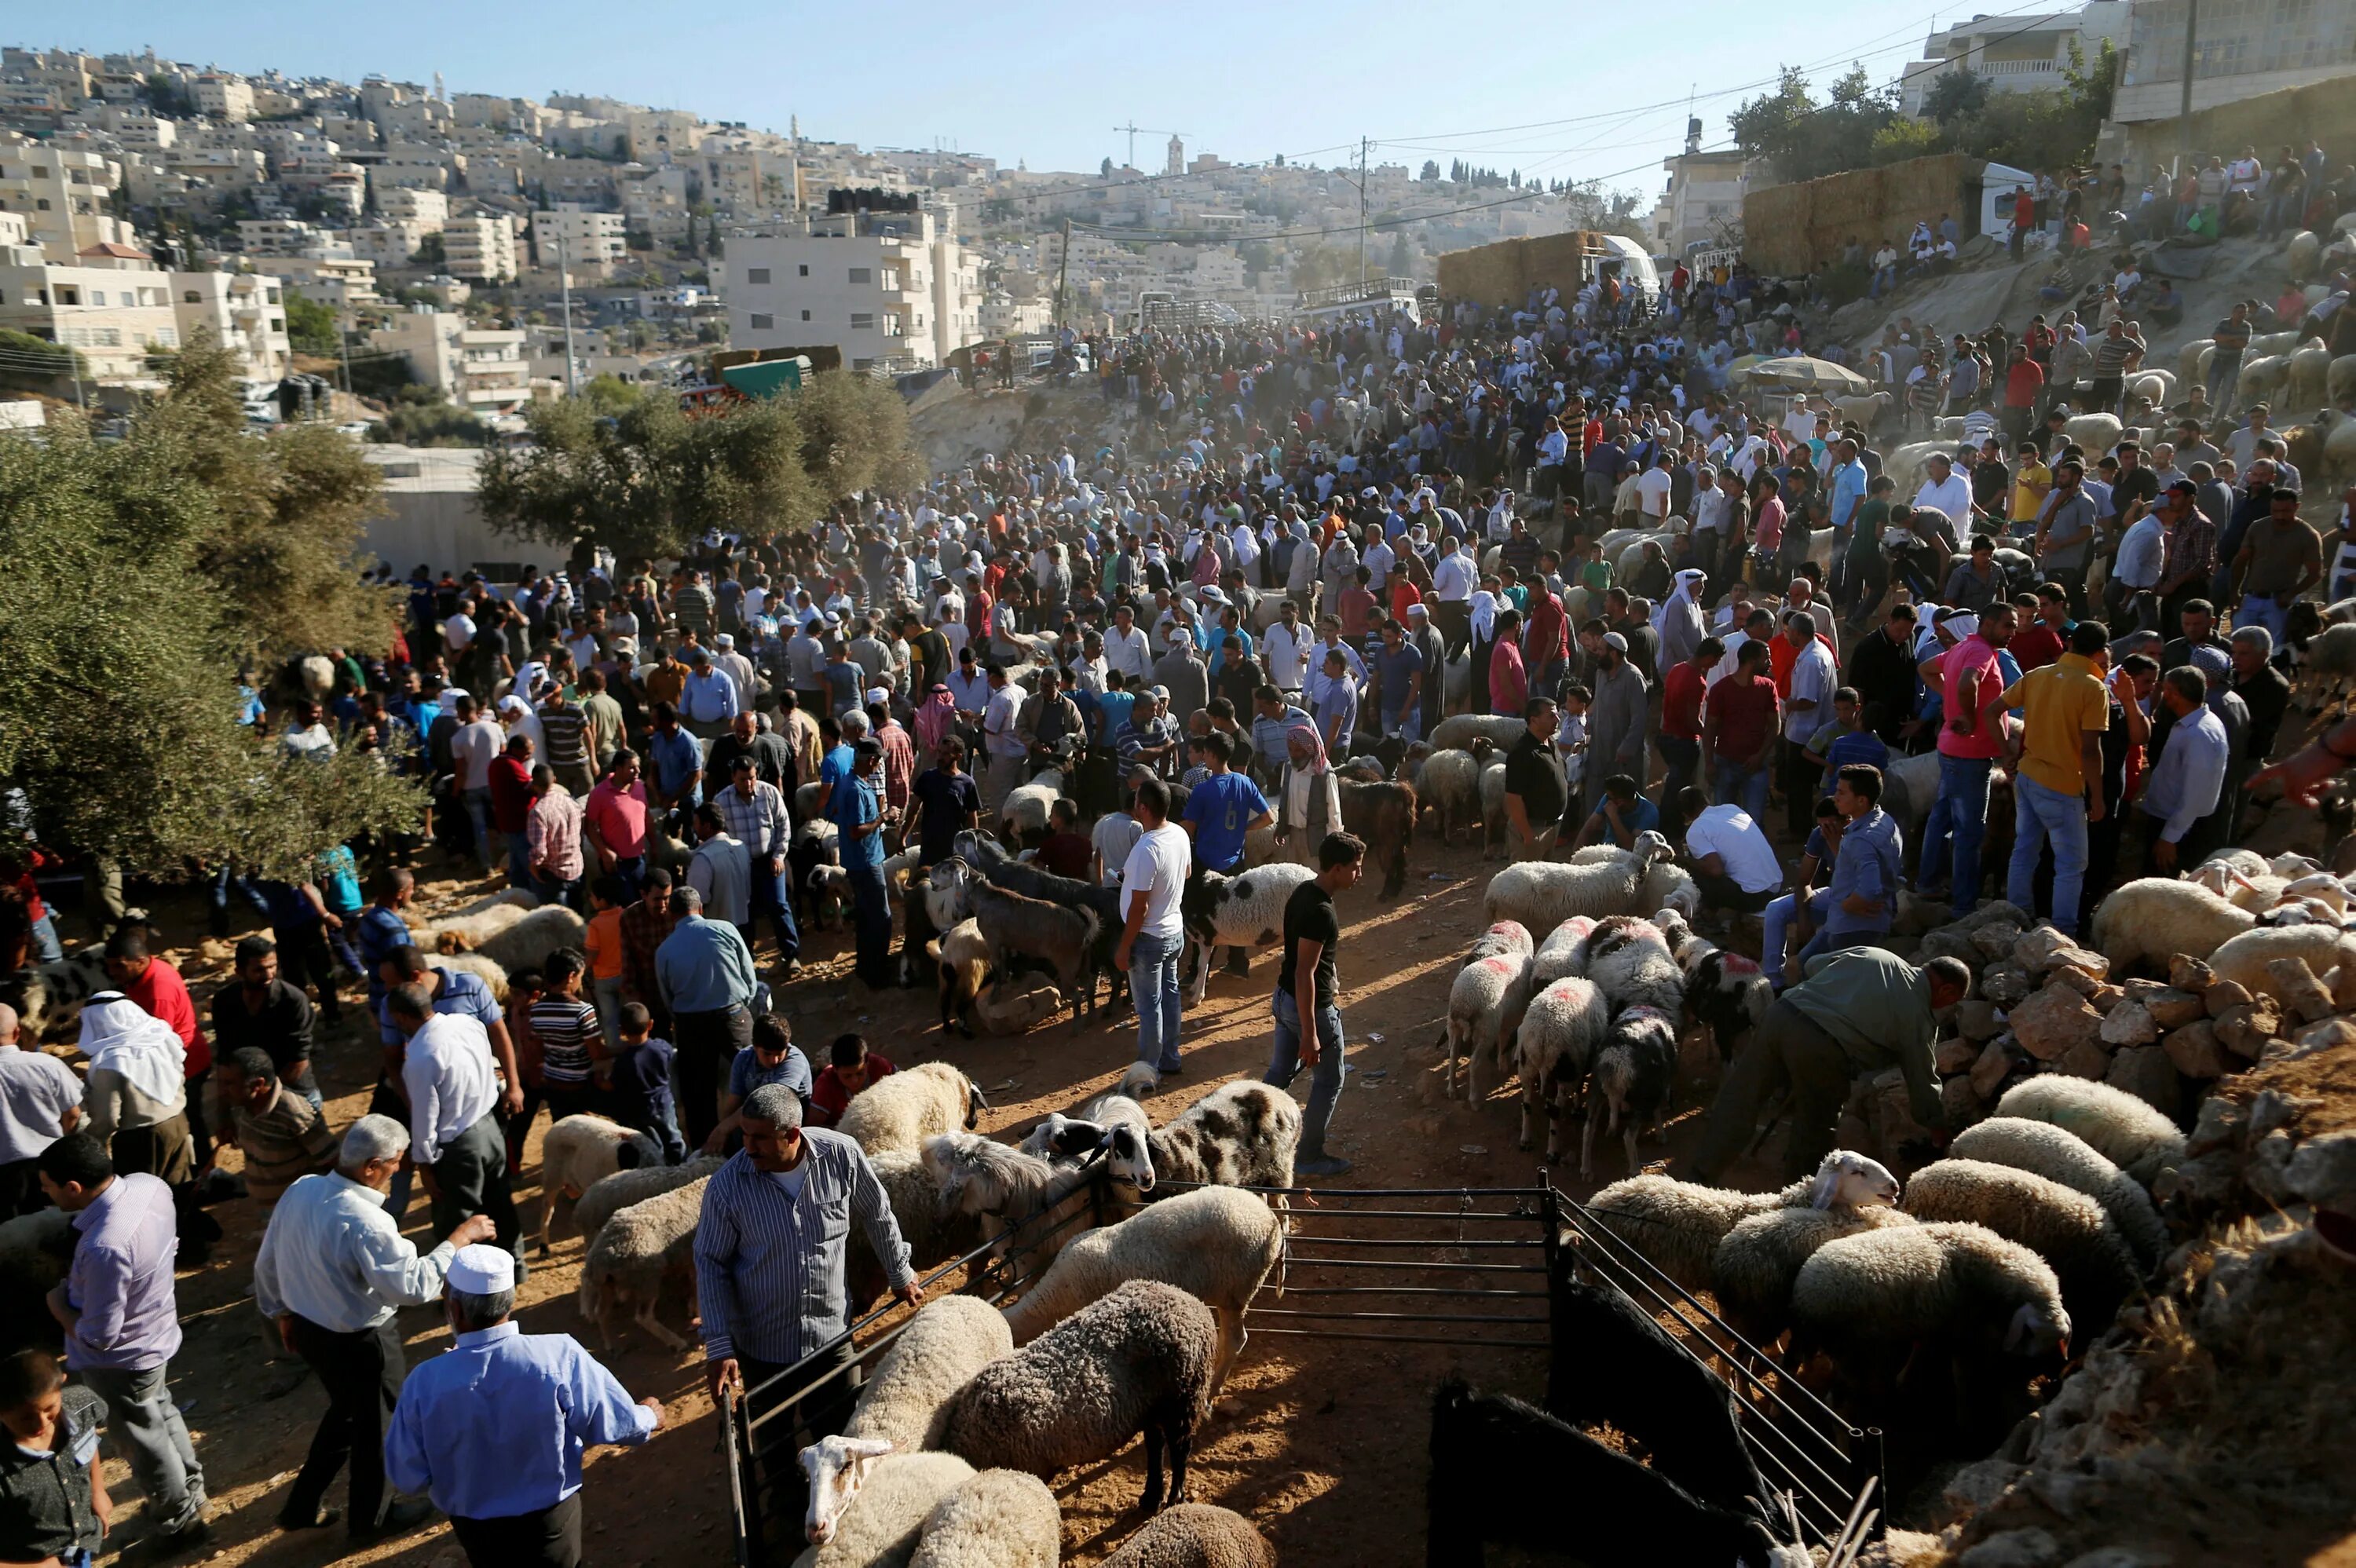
(330, 274)
(244, 312)
(277, 236)
(2242, 48)
(431, 514)
(62, 193)
(479, 368)
(480, 248)
(221, 96)
(2013, 53)
(1702, 198)
(429, 210)
(886, 288)
(387, 244)
(113, 304)
(584, 239)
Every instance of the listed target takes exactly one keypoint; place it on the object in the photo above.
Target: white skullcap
(481, 1270)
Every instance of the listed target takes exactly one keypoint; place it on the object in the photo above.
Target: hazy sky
(1598, 91)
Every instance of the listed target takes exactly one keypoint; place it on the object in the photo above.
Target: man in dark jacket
(1882, 669)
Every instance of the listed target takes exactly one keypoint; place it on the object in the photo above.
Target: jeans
(1407, 726)
(146, 1428)
(632, 870)
(47, 948)
(769, 898)
(520, 861)
(478, 802)
(1681, 758)
(2264, 610)
(871, 916)
(608, 993)
(1827, 941)
(554, 891)
(1958, 818)
(2224, 379)
(2039, 813)
(223, 880)
(1774, 929)
(1153, 987)
(1325, 1078)
(1730, 781)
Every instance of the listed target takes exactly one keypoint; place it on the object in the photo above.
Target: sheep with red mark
(1485, 1007)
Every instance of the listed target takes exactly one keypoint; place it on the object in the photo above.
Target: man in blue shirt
(1399, 684)
(856, 809)
(705, 973)
(1863, 899)
(1222, 808)
(674, 768)
(709, 697)
(2186, 782)
(495, 1427)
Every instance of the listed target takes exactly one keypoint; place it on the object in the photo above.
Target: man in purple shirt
(123, 1326)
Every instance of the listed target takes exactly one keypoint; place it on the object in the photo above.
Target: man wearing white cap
(495, 1428)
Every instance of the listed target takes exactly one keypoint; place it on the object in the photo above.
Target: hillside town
(721, 846)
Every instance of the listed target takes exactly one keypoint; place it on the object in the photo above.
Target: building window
(756, 274)
(43, 204)
(191, 296)
(863, 366)
(69, 296)
(805, 315)
(862, 274)
(763, 323)
(804, 270)
(862, 321)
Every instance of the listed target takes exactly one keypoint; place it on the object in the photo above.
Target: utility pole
(344, 345)
(1362, 211)
(1063, 267)
(564, 282)
(2184, 105)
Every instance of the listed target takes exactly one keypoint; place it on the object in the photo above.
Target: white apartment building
(475, 368)
(244, 312)
(1702, 198)
(330, 274)
(885, 288)
(62, 195)
(112, 305)
(221, 96)
(480, 248)
(1002, 315)
(429, 210)
(2242, 48)
(2013, 53)
(584, 239)
(278, 236)
(387, 244)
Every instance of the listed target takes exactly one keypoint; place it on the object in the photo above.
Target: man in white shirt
(1152, 936)
(1945, 491)
(1815, 679)
(2135, 573)
(1004, 747)
(453, 1084)
(721, 870)
(1730, 858)
(473, 750)
(1654, 487)
(1284, 648)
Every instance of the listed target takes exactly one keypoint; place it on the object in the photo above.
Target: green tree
(1903, 138)
(1430, 169)
(1957, 95)
(1402, 262)
(1804, 138)
(420, 417)
(430, 253)
(310, 325)
(30, 364)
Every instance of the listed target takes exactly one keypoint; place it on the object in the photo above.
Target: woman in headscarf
(136, 1099)
(935, 719)
(1679, 622)
(1308, 796)
(1485, 605)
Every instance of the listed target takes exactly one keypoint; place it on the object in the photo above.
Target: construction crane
(1133, 130)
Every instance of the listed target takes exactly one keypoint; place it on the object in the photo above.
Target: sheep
(1018, 1198)
(1023, 817)
(897, 1113)
(1553, 1050)
(1485, 1003)
(1458, 731)
(932, 1237)
(1677, 1225)
(1609, 1363)
(1243, 1134)
(895, 1494)
(2120, 1127)
(1142, 1358)
(2155, 918)
(2244, 959)
(1557, 956)
(2061, 1156)
(490, 974)
(609, 1195)
(1000, 1519)
(1117, 1125)
(1062, 939)
(634, 1252)
(1383, 814)
(1753, 1271)
(1726, 994)
(1507, 937)
(529, 941)
(2064, 1227)
(35, 1250)
(1493, 808)
(1542, 894)
(1628, 959)
(1635, 1075)
(1194, 1535)
(961, 955)
(1241, 911)
(48, 997)
(1449, 782)
(1216, 1242)
(905, 1400)
(579, 1150)
(1503, 1470)
(2098, 434)
(519, 899)
(463, 933)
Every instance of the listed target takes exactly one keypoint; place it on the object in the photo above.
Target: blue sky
(1046, 82)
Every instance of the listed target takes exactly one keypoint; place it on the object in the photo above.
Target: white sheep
(2155, 918)
(1677, 1225)
(1508, 937)
(1024, 814)
(1449, 782)
(2066, 1228)
(1887, 1288)
(1542, 894)
(2120, 1127)
(1629, 959)
(519, 899)
(1018, 1197)
(1194, 1535)
(530, 941)
(896, 1115)
(1553, 1050)
(1216, 1243)
(609, 1195)
(491, 974)
(872, 1507)
(635, 1252)
(1143, 1356)
(465, 933)
(580, 1150)
(2060, 1155)
(1557, 956)
(1242, 1134)
(1458, 730)
(1632, 1078)
(1492, 806)
(1000, 1519)
(1242, 911)
(906, 1399)
(1753, 1270)
(2244, 959)
(1485, 1003)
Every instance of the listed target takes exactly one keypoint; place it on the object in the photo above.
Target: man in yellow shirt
(2057, 768)
(2032, 481)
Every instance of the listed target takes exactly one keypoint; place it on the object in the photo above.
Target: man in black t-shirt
(947, 803)
(1534, 787)
(1312, 930)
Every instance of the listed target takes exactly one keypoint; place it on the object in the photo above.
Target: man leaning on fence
(769, 1256)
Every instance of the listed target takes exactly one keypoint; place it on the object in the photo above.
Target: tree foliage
(310, 325)
(136, 577)
(421, 416)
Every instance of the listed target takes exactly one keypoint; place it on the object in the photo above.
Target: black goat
(1001, 869)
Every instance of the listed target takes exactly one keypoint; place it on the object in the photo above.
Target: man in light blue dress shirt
(2189, 776)
(494, 1429)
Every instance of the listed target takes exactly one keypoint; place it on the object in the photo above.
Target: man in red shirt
(511, 806)
(1682, 690)
(157, 988)
(2023, 379)
(1740, 718)
(1970, 742)
(614, 820)
(2039, 641)
(853, 1067)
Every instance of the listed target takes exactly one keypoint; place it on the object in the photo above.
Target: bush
(420, 418)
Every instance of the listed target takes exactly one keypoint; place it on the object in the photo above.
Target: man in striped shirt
(755, 812)
(769, 1272)
(565, 729)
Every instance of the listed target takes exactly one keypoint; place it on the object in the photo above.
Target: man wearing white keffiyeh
(136, 1099)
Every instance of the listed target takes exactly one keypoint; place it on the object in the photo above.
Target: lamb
(963, 957)
(1062, 938)
(580, 1150)
(2152, 919)
(897, 1113)
(1000, 1519)
(463, 933)
(1557, 956)
(1503, 1470)
(632, 1253)
(1449, 782)
(2066, 1228)
(2060, 1155)
(2121, 1128)
(1383, 814)
(1726, 994)
(1554, 1048)
(1508, 937)
(1243, 1134)
(1024, 814)
(1493, 808)
(1611, 1364)
(1194, 1535)
(905, 1400)
(1142, 1358)
(1459, 729)
(1034, 881)
(1018, 1198)
(1874, 1294)
(475, 963)
(1628, 959)
(609, 1195)
(1753, 1269)
(529, 941)
(518, 899)
(1542, 894)
(1634, 1074)
(1677, 1225)
(2245, 959)
(1216, 1243)
(1485, 1004)
(895, 1494)
(1241, 911)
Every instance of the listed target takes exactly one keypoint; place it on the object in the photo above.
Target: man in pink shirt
(553, 837)
(616, 820)
(1971, 737)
